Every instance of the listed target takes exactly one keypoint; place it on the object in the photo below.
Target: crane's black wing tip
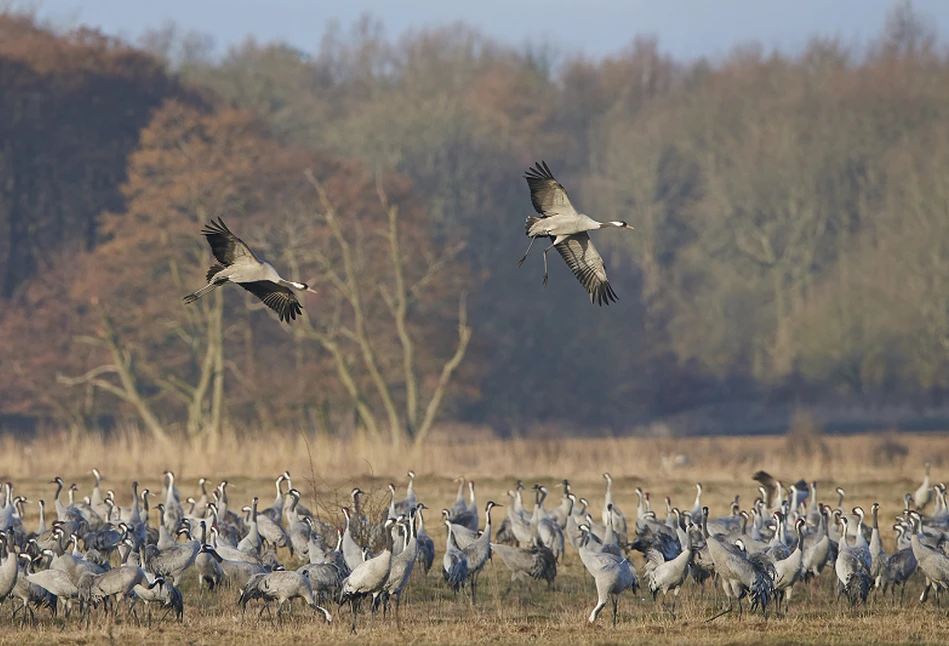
(606, 295)
(291, 311)
(216, 227)
(539, 171)
(603, 294)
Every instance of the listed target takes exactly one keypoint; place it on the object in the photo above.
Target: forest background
(790, 254)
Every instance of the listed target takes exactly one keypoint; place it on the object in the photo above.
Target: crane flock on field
(98, 558)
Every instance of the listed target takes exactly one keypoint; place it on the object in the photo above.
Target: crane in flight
(237, 263)
(567, 228)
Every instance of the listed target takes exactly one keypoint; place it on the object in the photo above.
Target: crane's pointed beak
(630, 227)
(311, 290)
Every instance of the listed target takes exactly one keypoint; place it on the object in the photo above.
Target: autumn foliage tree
(162, 361)
(789, 245)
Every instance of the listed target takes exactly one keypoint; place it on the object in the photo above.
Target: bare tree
(393, 289)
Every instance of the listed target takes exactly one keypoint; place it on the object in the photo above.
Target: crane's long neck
(291, 283)
(471, 495)
(135, 509)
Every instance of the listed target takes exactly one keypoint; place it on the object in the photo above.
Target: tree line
(791, 243)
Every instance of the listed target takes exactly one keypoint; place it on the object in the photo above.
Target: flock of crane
(556, 219)
(100, 556)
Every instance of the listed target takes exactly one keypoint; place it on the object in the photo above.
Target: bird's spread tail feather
(762, 590)
(857, 587)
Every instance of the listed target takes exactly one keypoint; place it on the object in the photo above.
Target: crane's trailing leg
(521, 261)
(545, 262)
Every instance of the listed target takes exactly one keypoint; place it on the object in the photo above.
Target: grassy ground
(430, 613)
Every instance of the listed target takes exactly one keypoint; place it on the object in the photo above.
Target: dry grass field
(870, 468)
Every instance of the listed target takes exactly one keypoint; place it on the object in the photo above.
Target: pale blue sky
(685, 28)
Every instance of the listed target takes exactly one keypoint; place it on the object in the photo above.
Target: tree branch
(464, 337)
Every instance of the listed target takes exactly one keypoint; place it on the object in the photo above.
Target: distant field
(430, 614)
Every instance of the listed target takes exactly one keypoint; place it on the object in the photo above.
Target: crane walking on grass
(237, 263)
(567, 228)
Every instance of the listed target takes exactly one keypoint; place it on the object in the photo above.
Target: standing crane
(663, 576)
(932, 562)
(567, 228)
(368, 577)
(853, 573)
(454, 563)
(237, 263)
(739, 575)
(479, 551)
(788, 570)
(402, 565)
(613, 575)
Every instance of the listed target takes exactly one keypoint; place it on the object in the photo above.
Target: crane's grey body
(240, 265)
(463, 535)
(613, 575)
(853, 572)
(8, 567)
(567, 228)
(426, 546)
(788, 571)
(662, 576)
(324, 578)
(544, 529)
(368, 577)
(524, 563)
(282, 586)
(165, 595)
(900, 566)
(454, 563)
(31, 593)
(400, 570)
(933, 563)
(479, 551)
(739, 575)
(173, 561)
(57, 583)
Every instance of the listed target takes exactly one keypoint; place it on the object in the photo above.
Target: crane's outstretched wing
(547, 195)
(226, 246)
(280, 299)
(769, 483)
(587, 265)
